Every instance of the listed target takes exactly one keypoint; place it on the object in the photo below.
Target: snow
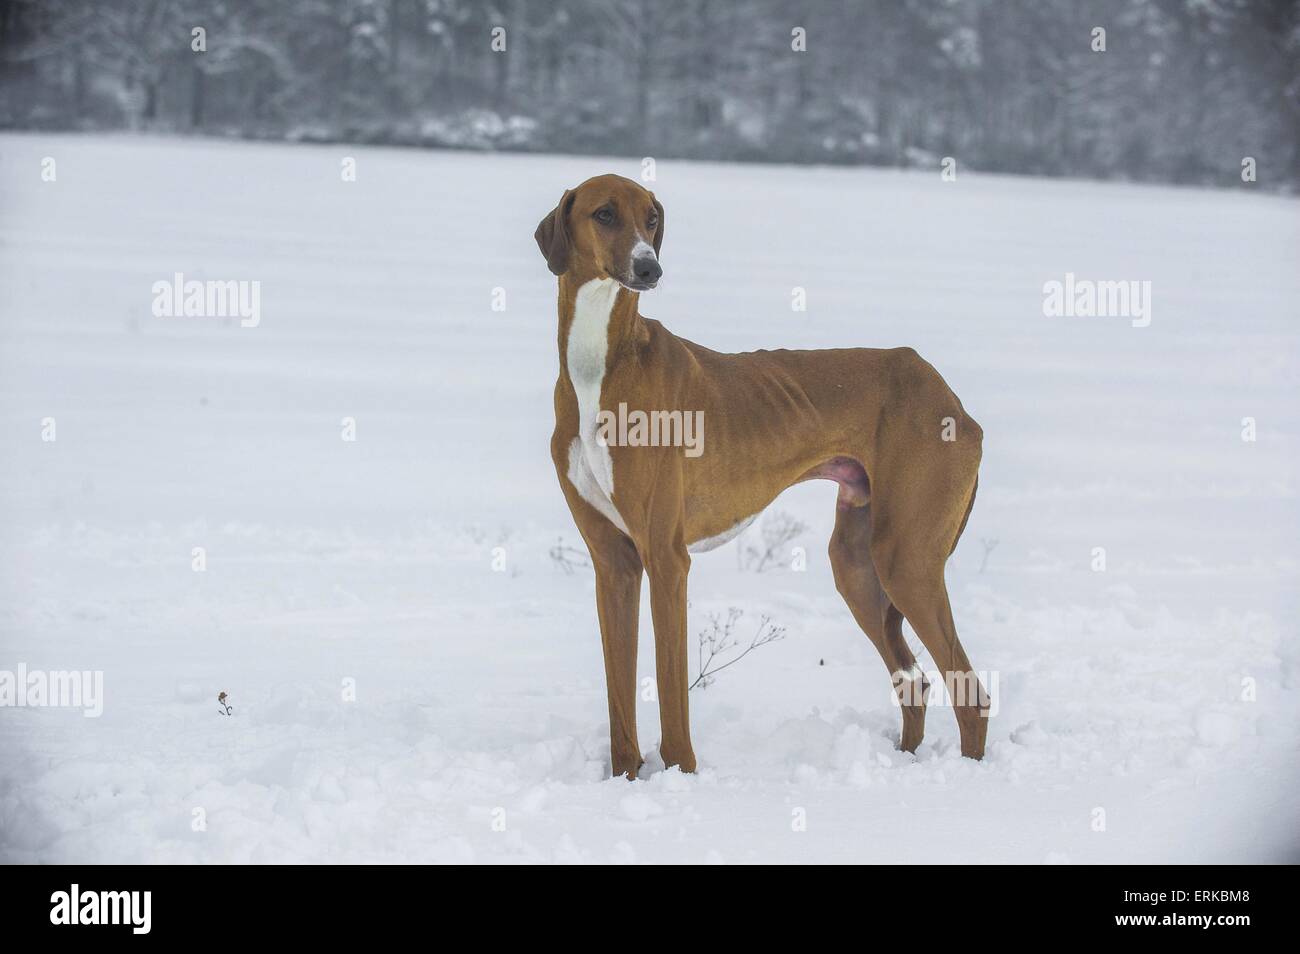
(410, 570)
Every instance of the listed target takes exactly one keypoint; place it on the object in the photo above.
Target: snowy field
(1163, 691)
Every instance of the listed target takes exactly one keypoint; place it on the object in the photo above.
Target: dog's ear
(659, 229)
(553, 235)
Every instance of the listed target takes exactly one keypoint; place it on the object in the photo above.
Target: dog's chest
(591, 468)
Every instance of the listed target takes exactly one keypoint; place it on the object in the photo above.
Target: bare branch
(719, 639)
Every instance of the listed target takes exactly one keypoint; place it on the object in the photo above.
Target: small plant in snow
(567, 558)
(718, 640)
(990, 544)
(225, 706)
(779, 530)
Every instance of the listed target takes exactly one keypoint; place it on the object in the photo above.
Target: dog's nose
(647, 269)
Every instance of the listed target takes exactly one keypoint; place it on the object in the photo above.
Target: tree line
(1164, 90)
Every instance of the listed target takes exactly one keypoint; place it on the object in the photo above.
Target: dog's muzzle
(646, 272)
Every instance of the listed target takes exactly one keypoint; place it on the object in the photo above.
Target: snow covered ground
(416, 560)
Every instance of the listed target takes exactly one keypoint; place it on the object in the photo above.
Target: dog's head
(608, 227)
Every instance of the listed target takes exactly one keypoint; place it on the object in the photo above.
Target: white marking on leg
(910, 685)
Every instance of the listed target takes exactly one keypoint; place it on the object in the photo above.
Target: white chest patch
(591, 468)
(584, 481)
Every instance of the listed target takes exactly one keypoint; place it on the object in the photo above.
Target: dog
(882, 424)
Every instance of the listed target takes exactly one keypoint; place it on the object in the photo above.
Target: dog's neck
(599, 321)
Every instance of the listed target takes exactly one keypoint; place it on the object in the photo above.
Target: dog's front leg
(667, 567)
(618, 601)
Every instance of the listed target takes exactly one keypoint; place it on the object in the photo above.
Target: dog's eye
(653, 223)
(604, 216)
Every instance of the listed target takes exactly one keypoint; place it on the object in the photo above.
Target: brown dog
(881, 424)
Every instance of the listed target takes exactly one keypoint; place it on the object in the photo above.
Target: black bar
(215, 905)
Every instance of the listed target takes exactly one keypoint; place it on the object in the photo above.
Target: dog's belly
(848, 474)
(705, 544)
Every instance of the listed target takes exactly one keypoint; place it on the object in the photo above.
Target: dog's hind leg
(856, 579)
(910, 545)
